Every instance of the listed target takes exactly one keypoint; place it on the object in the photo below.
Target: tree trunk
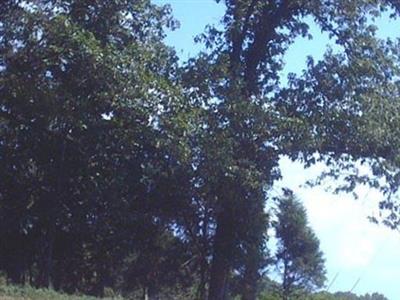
(46, 266)
(222, 257)
(47, 245)
(201, 290)
(50, 263)
(146, 293)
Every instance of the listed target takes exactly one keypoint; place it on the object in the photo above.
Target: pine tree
(299, 258)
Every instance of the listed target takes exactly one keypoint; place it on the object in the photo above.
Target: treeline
(270, 291)
(329, 296)
(350, 296)
(123, 170)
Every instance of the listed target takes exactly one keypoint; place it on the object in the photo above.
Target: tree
(324, 114)
(106, 141)
(349, 296)
(87, 119)
(373, 296)
(299, 259)
(270, 288)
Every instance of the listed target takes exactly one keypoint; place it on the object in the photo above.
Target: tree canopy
(122, 169)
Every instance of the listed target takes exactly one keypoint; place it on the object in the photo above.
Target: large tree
(328, 113)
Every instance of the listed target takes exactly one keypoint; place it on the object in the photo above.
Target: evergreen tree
(299, 259)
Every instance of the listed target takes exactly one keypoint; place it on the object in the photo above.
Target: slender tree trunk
(146, 293)
(222, 257)
(46, 265)
(31, 279)
(50, 258)
(201, 290)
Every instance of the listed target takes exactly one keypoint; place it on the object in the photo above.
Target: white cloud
(353, 246)
(341, 223)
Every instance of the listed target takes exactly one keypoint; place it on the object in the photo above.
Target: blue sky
(355, 250)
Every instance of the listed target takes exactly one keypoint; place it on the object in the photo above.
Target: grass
(10, 292)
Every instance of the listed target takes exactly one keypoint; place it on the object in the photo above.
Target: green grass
(10, 292)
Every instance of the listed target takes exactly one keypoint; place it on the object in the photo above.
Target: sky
(359, 255)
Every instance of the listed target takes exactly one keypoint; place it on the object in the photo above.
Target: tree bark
(222, 257)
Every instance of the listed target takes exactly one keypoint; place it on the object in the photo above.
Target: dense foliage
(123, 170)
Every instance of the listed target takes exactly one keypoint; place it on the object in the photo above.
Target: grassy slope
(8, 292)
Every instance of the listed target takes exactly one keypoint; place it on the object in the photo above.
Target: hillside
(8, 292)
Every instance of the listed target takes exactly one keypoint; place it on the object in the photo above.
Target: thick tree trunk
(222, 257)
